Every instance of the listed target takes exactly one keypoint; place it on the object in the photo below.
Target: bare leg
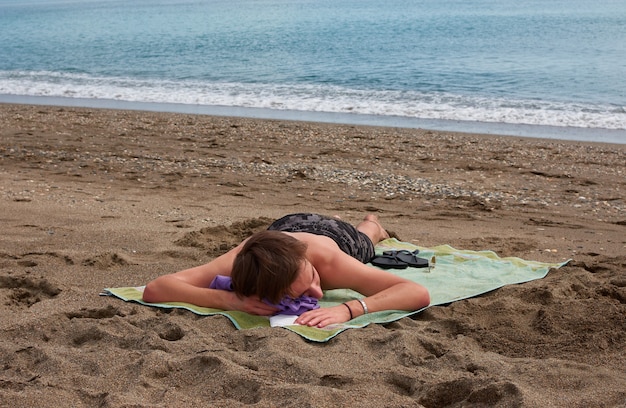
(371, 227)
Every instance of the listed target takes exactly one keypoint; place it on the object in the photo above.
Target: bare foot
(371, 227)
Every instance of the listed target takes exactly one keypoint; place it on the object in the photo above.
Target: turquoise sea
(548, 68)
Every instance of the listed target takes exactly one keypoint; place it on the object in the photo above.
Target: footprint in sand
(106, 260)
(26, 291)
(485, 392)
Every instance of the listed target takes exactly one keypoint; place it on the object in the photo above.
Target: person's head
(267, 265)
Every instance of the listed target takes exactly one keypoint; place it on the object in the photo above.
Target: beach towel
(457, 274)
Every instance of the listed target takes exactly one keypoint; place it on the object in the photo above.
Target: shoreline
(593, 135)
(96, 198)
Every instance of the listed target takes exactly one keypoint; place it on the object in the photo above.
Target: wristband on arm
(349, 310)
(365, 311)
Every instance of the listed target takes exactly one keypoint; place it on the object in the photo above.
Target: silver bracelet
(365, 311)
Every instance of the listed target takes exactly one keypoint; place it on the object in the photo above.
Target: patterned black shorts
(350, 240)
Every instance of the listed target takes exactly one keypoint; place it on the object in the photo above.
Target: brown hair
(267, 265)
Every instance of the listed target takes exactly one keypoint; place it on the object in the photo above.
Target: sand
(98, 198)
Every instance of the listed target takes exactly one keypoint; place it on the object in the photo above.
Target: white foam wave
(318, 98)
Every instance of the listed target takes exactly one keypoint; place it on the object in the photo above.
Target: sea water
(551, 68)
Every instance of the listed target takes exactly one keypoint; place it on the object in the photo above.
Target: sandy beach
(105, 198)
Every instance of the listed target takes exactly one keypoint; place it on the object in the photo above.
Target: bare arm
(383, 291)
(386, 291)
(192, 286)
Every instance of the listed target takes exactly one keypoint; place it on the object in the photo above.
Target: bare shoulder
(315, 243)
(320, 249)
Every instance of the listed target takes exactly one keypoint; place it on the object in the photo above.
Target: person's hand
(324, 316)
(252, 305)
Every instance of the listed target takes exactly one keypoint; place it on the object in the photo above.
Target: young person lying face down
(299, 255)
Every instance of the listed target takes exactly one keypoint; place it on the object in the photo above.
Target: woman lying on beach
(300, 255)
